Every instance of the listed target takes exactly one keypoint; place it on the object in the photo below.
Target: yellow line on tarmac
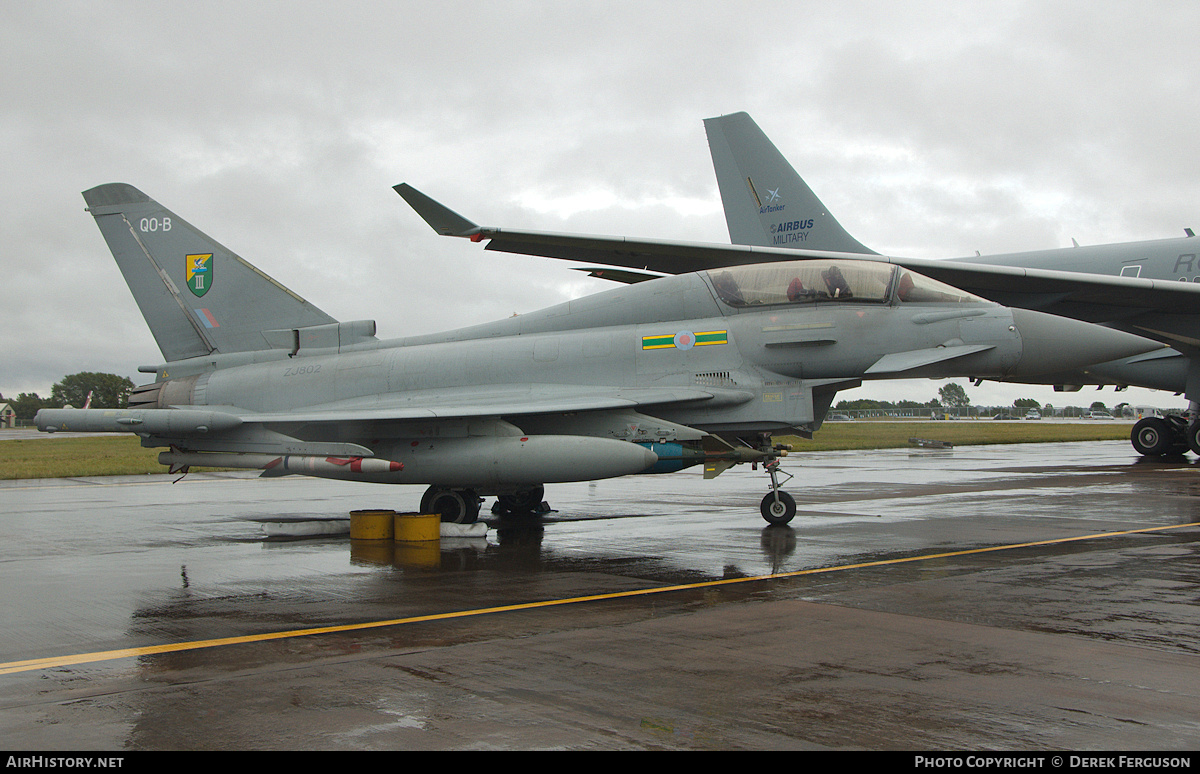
(13, 667)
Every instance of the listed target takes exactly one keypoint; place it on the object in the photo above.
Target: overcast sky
(930, 130)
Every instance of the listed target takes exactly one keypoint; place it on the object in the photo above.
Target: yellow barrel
(417, 527)
(375, 553)
(372, 525)
(417, 555)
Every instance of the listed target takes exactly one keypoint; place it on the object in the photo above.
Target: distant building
(8, 417)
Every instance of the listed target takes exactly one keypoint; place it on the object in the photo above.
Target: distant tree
(861, 404)
(1098, 406)
(1026, 403)
(26, 405)
(954, 396)
(108, 390)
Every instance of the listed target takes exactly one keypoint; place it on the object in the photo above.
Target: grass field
(870, 434)
(102, 455)
(122, 455)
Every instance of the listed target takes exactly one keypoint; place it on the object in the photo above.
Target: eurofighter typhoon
(694, 369)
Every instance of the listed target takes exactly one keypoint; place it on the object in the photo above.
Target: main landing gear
(1160, 436)
(1169, 435)
(458, 506)
(521, 503)
(461, 506)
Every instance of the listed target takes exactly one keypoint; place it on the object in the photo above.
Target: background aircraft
(747, 164)
(699, 368)
(782, 219)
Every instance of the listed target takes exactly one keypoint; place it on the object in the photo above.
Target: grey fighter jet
(1144, 287)
(696, 369)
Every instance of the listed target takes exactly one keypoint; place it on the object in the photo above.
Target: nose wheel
(778, 507)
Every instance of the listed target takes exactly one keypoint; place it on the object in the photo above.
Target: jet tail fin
(766, 202)
(197, 297)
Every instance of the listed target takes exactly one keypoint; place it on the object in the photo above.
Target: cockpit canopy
(818, 281)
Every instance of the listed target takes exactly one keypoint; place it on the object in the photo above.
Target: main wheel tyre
(778, 511)
(1193, 437)
(1152, 437)
(458, 506)
(526, 501)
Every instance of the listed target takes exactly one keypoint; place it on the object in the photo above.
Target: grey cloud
(278, 128)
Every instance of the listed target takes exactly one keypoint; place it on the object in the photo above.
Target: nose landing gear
(778, 507)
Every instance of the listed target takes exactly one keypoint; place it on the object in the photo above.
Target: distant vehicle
(1033, 414)
(1097, 415)
(838, 418)
(1004, 415)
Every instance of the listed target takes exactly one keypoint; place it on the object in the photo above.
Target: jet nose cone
(1051, 344)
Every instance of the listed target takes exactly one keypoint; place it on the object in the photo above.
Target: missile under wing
(696, 369)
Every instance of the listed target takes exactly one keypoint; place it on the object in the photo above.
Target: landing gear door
(788, 401)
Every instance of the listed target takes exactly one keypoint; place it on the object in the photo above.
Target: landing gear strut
(779, 507)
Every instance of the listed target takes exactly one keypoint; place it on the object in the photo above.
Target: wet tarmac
(1022, 597)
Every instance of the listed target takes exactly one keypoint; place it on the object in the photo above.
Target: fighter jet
(655, 377)
(1136, 296)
